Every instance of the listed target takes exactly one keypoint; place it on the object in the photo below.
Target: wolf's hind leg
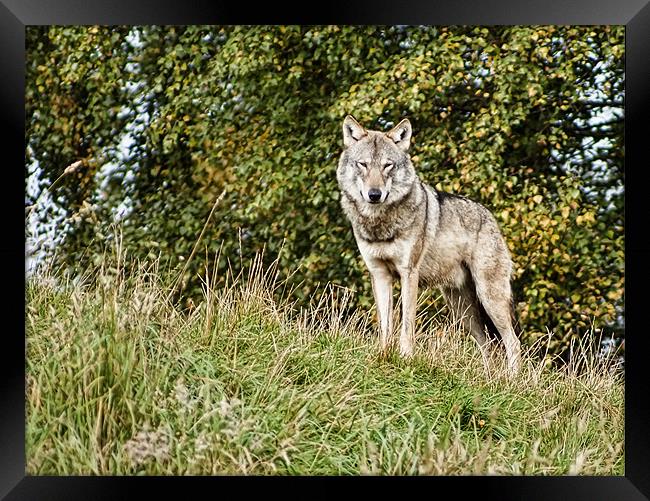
(495, 295)
(463, 304)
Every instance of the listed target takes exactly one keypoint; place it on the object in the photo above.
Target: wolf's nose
(374, 195)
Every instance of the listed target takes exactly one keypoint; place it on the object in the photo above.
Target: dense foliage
(527, 120)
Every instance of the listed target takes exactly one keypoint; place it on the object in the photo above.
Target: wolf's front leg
(382, 288)
(409, 282)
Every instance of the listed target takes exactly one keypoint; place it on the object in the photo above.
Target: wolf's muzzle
(374, 195)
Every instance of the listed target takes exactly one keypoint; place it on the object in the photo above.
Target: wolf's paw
(406, 351)
(514, 366)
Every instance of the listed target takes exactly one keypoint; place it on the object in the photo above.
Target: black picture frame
(15, 15)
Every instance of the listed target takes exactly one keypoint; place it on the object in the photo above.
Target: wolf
(407, 230)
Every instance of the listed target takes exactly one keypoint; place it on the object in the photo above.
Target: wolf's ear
(352, 131)
(401, 134)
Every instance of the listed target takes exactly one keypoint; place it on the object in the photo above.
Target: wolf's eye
(362, 164)
(388, 166)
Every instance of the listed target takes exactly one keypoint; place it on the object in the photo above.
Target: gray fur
(423, 237)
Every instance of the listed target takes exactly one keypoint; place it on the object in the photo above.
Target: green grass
(120, 381)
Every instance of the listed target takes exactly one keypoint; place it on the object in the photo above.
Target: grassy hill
(119, 381)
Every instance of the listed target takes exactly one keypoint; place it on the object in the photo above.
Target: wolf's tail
(515, 319)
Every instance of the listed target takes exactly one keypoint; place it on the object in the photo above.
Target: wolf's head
(375, 167)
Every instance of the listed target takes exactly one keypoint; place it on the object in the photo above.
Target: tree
(526, 120)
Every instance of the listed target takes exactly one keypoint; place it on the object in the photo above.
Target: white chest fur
(396, 253)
